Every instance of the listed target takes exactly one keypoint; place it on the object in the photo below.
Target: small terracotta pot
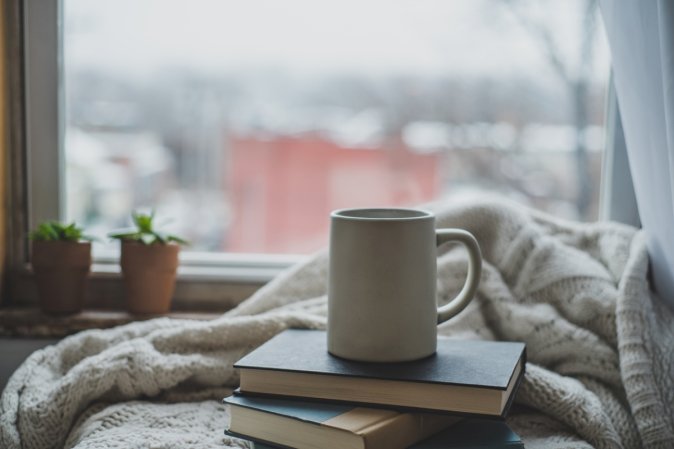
(149, 276)
(61, 270)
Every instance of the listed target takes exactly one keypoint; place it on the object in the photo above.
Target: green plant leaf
(176, 239)
(143, 222)
(159, 238)
(125, 235)
(55, 231)
(144, 231)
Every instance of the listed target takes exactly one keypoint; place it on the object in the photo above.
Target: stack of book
(294, 394)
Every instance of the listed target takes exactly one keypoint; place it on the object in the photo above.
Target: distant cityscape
(254, 161)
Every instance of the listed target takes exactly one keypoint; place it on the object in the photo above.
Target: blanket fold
(600, 346)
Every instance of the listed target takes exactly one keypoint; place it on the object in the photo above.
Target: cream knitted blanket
(600, 347)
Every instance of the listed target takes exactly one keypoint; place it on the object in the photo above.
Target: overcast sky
(463, 37)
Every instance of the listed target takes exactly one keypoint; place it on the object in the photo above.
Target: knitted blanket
(600, 369)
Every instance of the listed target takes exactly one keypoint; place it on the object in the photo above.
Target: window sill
(31, 322)
(211, 283)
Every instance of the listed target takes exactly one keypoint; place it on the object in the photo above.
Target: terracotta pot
(149, 276)
(61, 270)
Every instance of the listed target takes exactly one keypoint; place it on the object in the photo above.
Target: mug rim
(404, 214)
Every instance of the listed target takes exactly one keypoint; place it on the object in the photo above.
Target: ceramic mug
(382, 303)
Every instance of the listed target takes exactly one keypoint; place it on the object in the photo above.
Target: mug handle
(466, 294)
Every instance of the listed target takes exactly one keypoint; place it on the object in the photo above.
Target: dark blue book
(470, 378)
(474, 433)
(310, 425)
(469, 433)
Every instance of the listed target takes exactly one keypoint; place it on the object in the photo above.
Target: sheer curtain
(641, 38)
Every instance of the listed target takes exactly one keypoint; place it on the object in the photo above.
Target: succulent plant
(144, 232)
(55, 231)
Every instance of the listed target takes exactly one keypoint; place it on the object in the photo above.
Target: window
(245, 123)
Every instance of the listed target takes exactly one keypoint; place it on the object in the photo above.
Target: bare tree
(576, 79)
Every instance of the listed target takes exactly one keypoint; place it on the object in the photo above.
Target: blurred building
(282, 189)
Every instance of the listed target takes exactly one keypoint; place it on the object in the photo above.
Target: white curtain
(641, 38)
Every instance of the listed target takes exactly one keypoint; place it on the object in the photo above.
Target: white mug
(382, 303)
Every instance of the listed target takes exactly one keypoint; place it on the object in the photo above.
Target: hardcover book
(306, 425)
(467, 434)
(473, 434)
(465, 377)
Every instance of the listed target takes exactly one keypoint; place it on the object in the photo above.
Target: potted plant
(149, 262)
(61, 260)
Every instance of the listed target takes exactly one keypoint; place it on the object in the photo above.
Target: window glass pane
(244, 123)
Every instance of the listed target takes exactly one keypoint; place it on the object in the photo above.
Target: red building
(283, 189)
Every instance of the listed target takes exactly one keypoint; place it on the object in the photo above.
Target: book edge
(516, 388)
(255, 440)
(240, 366)
(331, 430)
(361, 430)
(399, 408)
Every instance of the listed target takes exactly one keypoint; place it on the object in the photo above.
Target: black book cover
(474, 363)
(467, 363)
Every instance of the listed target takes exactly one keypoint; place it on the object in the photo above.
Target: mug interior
(382, 214)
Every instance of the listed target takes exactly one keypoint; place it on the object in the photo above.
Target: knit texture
(600, 346)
